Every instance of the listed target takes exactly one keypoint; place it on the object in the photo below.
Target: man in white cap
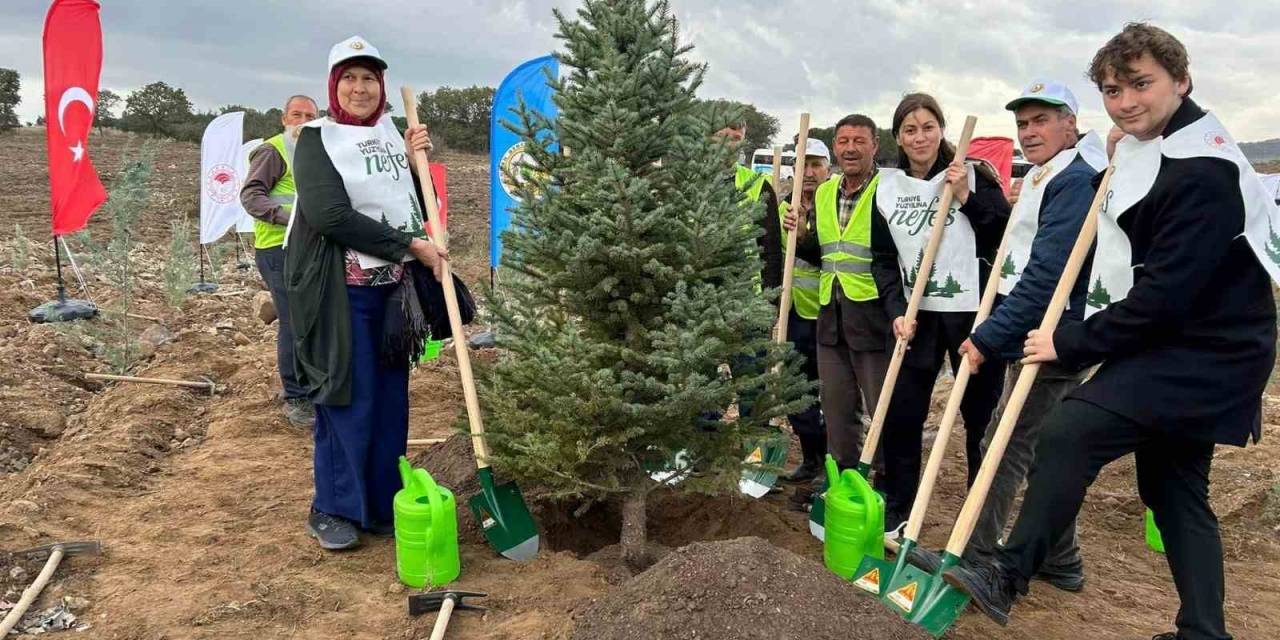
(1056, 195)
(802, 323)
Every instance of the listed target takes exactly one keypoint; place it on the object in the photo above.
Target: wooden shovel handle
(938, 452)
(789, 261)
(913, 305)
(450, 296)
(31, 592)
(977, 497)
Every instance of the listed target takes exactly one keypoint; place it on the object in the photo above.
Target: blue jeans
(357, 446)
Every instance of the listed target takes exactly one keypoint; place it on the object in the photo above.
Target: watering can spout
(406, 473)
(833, 471)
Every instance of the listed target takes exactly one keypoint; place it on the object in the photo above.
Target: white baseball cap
(1048, 92)
(354, 47)
(816, 148)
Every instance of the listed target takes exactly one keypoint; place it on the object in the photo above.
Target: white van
(762, 163)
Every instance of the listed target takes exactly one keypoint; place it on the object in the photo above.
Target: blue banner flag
(527, 82)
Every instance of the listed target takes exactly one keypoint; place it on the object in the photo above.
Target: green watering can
(426, 522)
(854, 524)
(1154, 539)
(430, 350)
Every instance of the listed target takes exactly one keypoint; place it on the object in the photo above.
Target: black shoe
(1070, 580)
(926, 560)
(894, 527)
(1168, 635)
(382, 530)
(803, 473)
(332, 532)
(990, 587)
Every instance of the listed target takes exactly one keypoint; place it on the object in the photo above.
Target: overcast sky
(831, 57)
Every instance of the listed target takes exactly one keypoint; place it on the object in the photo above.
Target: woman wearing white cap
(350, 270)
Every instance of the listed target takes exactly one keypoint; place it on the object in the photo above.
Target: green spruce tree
(1008, 268)
(629, 281)
(1273, 244)
(1098, 297)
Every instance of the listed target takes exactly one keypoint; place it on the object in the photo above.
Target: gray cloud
(830, 57)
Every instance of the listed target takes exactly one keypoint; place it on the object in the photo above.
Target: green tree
(1008, 268)
(458, 117)
(1273, 244)
(1098, 297)
(631, 281)
(104, 113)
(10, 85)
(157, 109)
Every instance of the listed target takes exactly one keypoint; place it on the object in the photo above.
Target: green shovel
(933, 601)
(765, 456)
(499, 508)
(939, 225)
(893, 579)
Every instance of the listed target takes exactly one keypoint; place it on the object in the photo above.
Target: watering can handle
(437, 507)
(868, 496)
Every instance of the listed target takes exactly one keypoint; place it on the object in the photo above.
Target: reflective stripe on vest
(846, 253)
(265, 234)
(806, 279)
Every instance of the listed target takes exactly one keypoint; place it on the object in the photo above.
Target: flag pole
(57, 259)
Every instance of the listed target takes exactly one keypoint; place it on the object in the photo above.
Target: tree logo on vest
(517, 167)
(221, 183)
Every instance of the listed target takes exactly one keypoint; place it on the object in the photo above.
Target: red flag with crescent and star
(72, 62)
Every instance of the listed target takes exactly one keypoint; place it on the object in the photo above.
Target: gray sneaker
(300, 412)
(333, 533)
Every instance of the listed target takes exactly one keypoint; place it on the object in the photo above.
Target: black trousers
(903, 435)
(271, 266)
(808, 424)
(1080, 438)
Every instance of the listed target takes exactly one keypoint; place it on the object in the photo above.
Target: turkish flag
(72, 62)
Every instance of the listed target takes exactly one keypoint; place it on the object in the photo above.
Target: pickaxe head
(68, 549)
(428, 602)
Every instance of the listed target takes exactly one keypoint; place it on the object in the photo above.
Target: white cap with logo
(354, 47)
(1047, 92)
(815, 148)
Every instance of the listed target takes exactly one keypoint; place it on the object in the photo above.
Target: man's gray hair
(300, 96)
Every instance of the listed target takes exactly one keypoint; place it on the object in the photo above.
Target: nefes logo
(382, 157)
(913, 213)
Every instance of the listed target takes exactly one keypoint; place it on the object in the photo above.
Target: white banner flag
(245, 223)
(223, 166)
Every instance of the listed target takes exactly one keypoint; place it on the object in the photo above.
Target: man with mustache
(853, 328)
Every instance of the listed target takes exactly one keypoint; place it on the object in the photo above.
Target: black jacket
(324, 226)
(1189, 350)
(937, 332)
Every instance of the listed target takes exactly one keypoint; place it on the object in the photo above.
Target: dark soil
(743, 589)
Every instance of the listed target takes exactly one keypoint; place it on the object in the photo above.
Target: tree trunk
(635, 544)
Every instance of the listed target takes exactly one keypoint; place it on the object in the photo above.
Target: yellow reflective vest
(805, 279)
(846, 253)
(265, 234)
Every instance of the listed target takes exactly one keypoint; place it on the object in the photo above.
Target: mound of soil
(739, 589)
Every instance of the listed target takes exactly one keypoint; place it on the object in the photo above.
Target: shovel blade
(940, 610)
(908, 590)
(672, 471)
(505, 519)
(818, 516)
(757, 478)
(873, 575)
